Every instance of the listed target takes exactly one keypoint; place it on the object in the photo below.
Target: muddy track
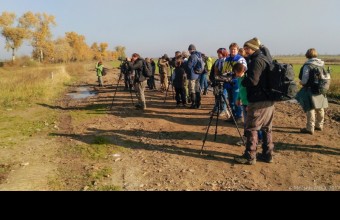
(159, 149)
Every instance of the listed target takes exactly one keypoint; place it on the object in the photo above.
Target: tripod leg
(229, 109)
(114, 96)
(219, 109)
(206, 134)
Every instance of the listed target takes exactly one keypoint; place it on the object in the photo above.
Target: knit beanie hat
(253, 44)
(191, 47)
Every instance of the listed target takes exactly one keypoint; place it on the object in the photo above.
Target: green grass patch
(18, 126)
(101, 173)
(20, 87)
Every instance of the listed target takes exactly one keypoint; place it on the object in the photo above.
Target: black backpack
(147, 69)
(319, 79)
(104, 72)
(281, 85)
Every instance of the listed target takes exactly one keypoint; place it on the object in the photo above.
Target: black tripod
(220, 100)
(114, 96)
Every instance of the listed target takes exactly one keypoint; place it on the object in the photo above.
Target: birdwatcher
(99, 70)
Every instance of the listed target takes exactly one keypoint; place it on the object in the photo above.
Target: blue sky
(155, 27)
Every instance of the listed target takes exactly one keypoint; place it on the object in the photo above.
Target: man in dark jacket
(260, 108)
(136, 64)
(194, 84)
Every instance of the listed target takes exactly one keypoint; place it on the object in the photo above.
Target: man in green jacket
(99, 69)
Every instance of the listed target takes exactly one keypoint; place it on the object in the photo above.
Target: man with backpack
(136, 64)
(194, 67)
(260, 108)
(99, 70)
(311, 97)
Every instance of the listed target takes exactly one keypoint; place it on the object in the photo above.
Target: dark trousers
(259, 117)
(180, 95)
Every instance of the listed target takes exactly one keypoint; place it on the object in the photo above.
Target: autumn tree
(103, 48)
(119, 52)
(42, 36)
(96, 51)
(62, 50)
(81, 50)
(14, 32)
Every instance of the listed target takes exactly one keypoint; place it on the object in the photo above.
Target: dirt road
(159, 149)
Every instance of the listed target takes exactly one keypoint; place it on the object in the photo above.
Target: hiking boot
(305, 131)
(319, 129)
(268, 158)
(245, 160)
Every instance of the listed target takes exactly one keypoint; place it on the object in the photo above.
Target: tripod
(114, 96)
(219, 104)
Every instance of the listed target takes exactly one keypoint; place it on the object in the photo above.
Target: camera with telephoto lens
(224, 78)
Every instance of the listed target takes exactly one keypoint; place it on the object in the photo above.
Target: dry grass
(21, 86)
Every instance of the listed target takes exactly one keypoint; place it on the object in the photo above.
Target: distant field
(330, 61)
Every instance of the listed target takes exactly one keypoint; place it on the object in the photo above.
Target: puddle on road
(82, 93)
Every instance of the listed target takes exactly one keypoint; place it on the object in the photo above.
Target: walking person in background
(312, 102)
(99, 70)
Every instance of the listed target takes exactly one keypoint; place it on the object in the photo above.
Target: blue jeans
(204, 81)
(236, 110)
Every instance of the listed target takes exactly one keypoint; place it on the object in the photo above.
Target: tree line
(36, 29)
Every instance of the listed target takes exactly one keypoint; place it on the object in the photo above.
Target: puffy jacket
(191, 64)
(256, 80)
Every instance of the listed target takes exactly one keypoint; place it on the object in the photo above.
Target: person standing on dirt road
(99, 70)
(260, 108)
(312, 104)
(136, 64)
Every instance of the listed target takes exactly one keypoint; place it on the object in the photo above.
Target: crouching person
(136, 65)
